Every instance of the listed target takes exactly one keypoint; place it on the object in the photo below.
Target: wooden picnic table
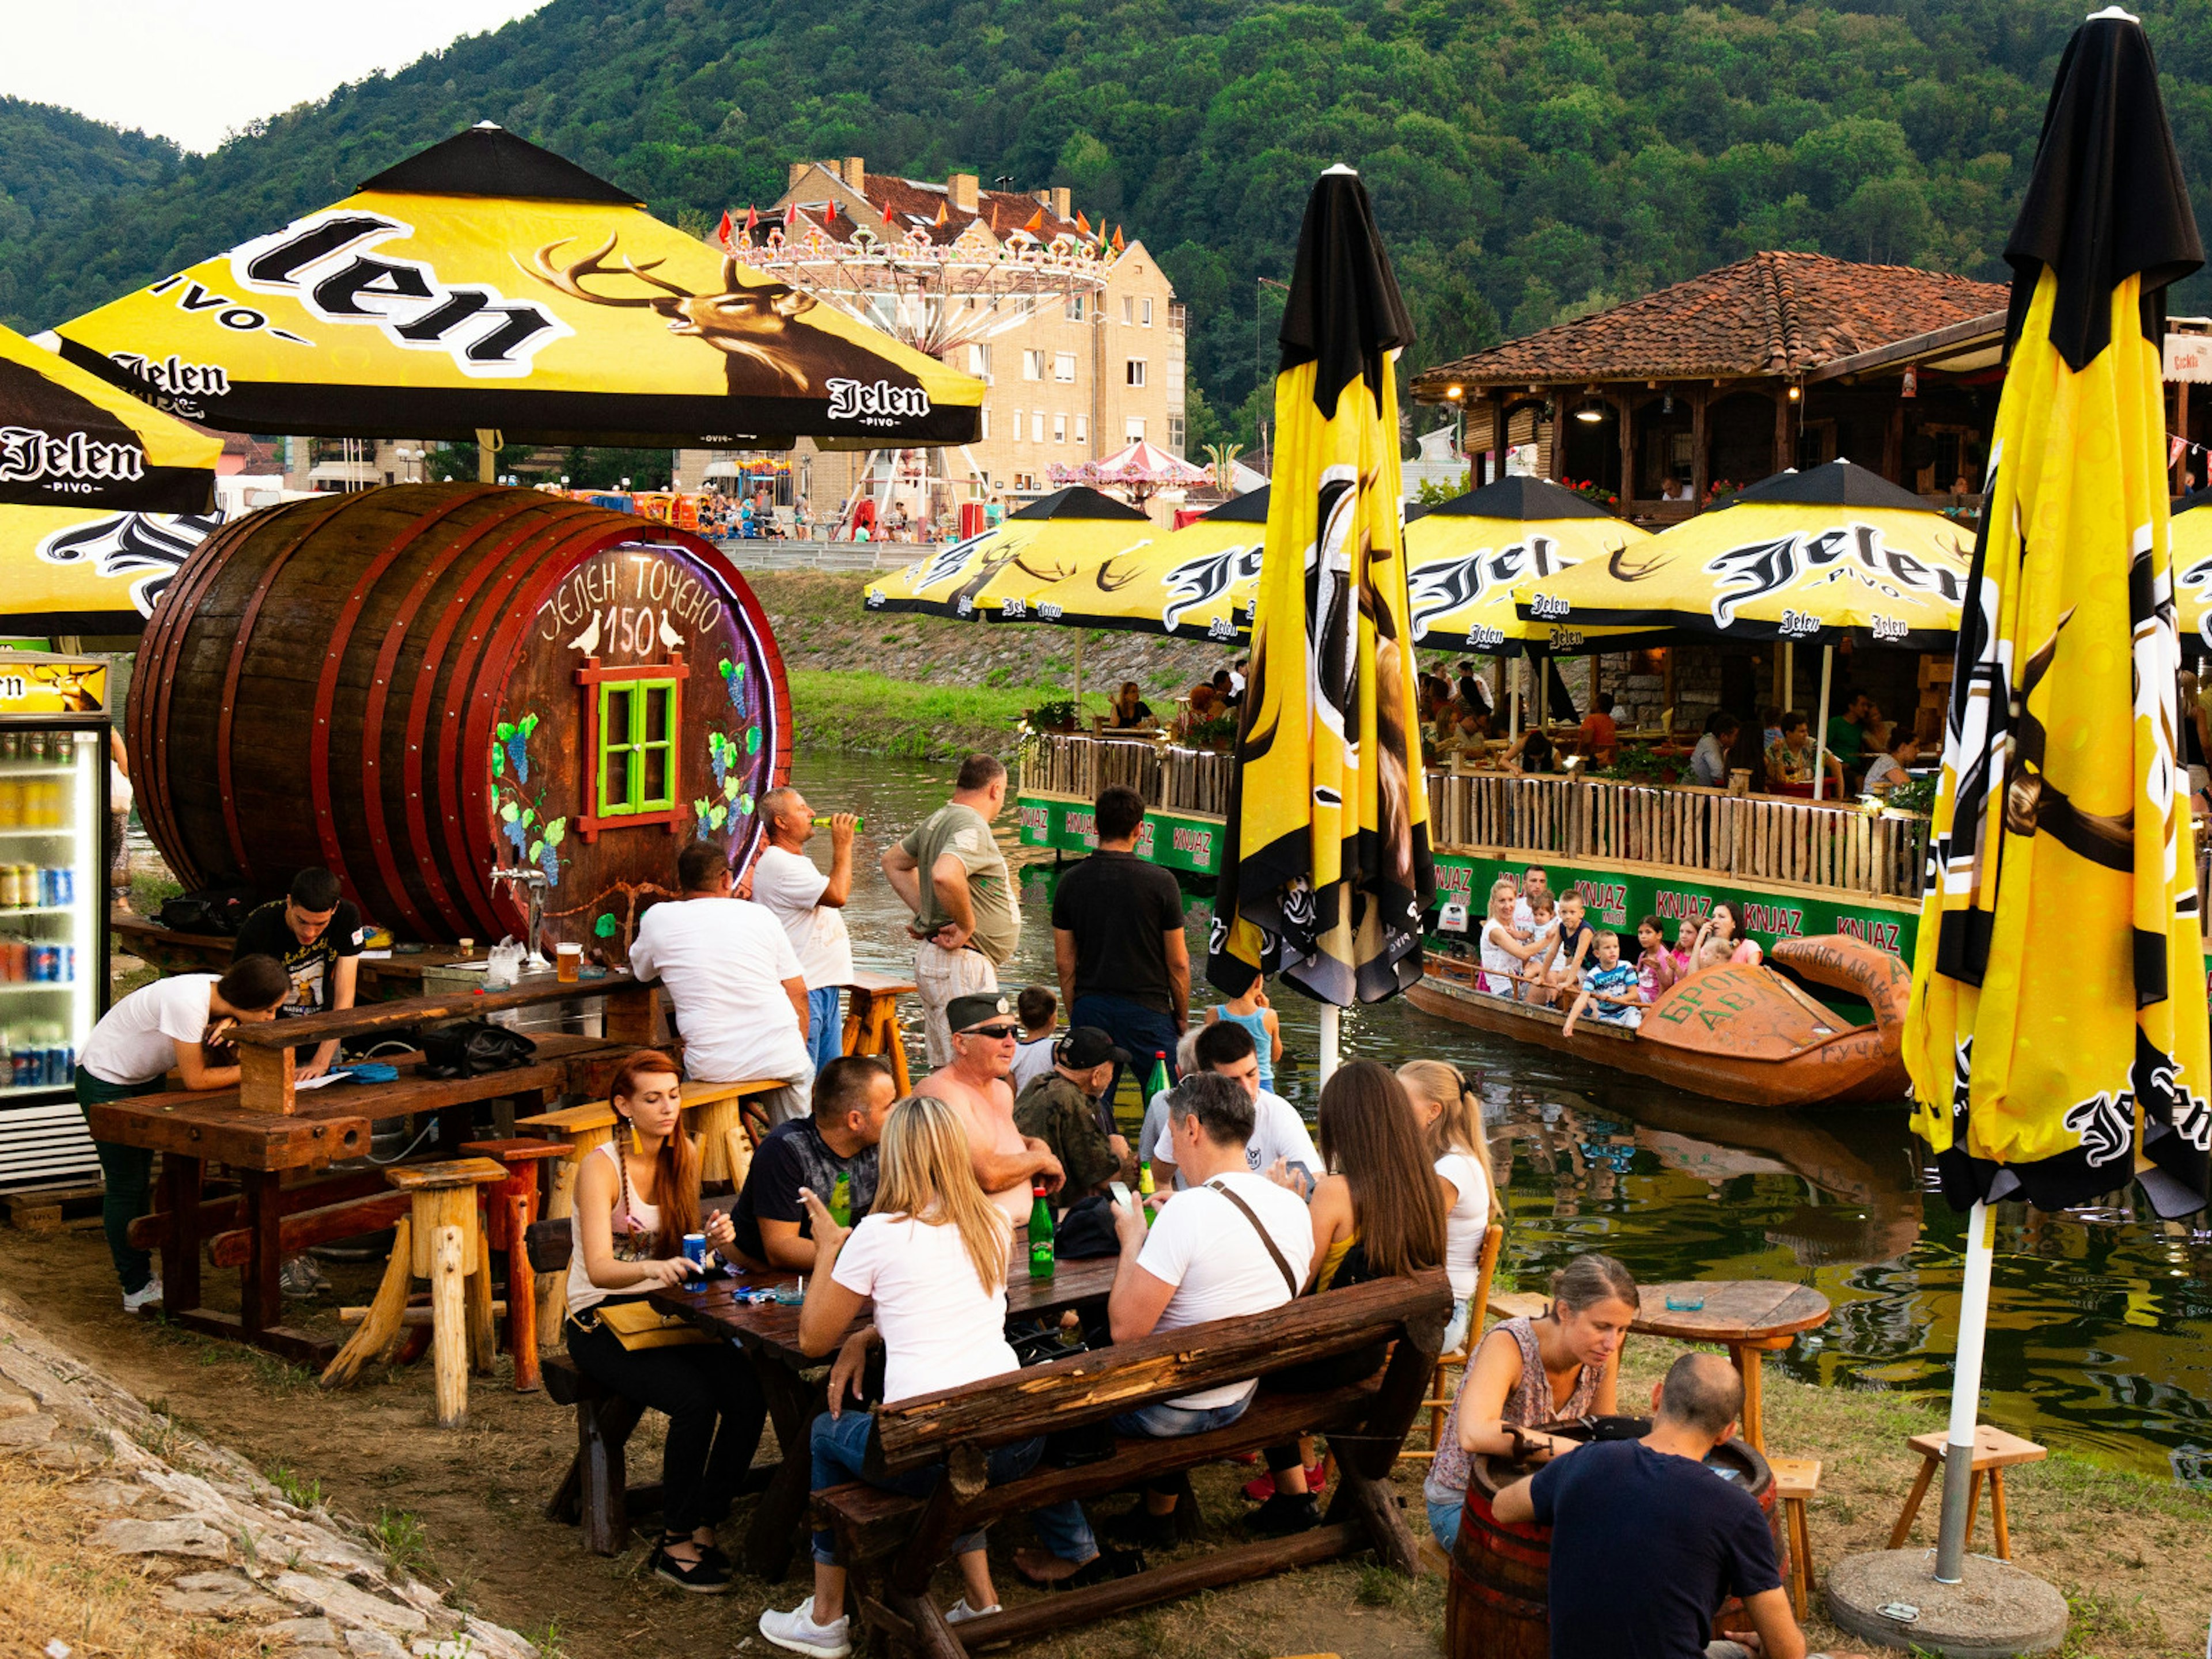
(379, 978)
(796, 1384)
(1750, 1317)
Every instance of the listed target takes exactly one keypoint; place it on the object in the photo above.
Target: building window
(1135, 371)
(1083, 428)
(1036, 427)
(1032, 365)
(1063, 367)
(1144, 312)
(1178, 317)
(1175, 434)
(1134, 428)
(1018, 426)
(1060, 429)
(1075, 307)
(1128, 311)
(979, 361)
(1025, 481)
(1026, 305)
(984, 431)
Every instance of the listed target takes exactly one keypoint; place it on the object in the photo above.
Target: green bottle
(841, 1200)
(1145, 1189)
(1040, 1234)
(859, 822)
(1160, 1082)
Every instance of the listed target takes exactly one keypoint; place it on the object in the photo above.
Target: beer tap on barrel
(528, 880)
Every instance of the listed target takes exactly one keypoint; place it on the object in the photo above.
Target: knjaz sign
(324, 263)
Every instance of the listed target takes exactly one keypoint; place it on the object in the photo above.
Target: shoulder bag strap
(1290, 1279)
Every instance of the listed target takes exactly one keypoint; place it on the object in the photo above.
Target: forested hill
(1527, 157)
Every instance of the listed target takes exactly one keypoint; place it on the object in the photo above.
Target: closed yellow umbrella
(2056, 1039)
(1328, 864)
(70, 440)
(486, 284)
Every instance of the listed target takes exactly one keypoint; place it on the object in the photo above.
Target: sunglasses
(995, 1033)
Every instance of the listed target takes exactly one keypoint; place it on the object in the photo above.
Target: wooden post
(1700, 462)
(522, 1295)
(483, 1331)
(1820, 723)
(2181, 427)
(1784, 459)
(1627, 452)
(449, 1338)
(489, 442)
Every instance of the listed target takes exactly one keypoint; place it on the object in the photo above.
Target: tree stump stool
(1995, 1451)
(509, 1208)
(441, 1242)
(872, 1021)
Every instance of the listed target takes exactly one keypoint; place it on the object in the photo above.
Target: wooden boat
(1748, 1035)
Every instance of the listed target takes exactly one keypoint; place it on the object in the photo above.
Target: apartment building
(1071, 378)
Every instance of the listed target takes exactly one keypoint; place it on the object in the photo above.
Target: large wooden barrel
(412, 685)
(1497, 1605)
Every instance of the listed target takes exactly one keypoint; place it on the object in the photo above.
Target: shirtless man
(1008, 1163)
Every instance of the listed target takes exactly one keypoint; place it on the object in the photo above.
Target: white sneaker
(960, 1613)
(144, 1296)
(796, 1633)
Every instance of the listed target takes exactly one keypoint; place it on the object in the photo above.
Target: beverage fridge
(53, 907)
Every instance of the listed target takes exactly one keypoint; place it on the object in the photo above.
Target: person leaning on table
(177, 1025)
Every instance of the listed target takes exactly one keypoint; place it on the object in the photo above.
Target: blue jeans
(1143, 1032)
(840, 1447)
(1062, 1528)
(1443, 1522)
(825, 1030)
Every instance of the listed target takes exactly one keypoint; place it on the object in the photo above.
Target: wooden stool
(871, 1022)
(509, 1208)
(1995, 1451)
(441, 1242)
(1440, 1395)
(1796, 1481)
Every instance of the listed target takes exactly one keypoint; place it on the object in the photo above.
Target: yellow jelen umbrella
(1465, 558)
(1198, 582)
(486, 284)
(1004, 573)
(70, 440)
(2057, 1039)
(2192, 567)
(1328, 866)
(79, 571)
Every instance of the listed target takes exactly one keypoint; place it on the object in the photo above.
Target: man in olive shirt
(952, 875)
(1118, 941)
(1062, 1110)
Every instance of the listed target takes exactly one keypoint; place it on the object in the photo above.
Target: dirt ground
(466, 1507)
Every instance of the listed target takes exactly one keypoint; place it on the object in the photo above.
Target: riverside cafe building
(1658, 406)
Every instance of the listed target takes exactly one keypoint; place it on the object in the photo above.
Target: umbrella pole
(1965, 1395)
(1329, 1015)
(1078, 676)
(1513, 696)
(1821, 725)
(488, 445)
(1788, 699)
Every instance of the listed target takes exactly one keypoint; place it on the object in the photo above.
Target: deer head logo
(748, 325)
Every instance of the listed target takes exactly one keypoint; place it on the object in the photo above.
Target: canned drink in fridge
(15, 961)
(68, 964)
(56, 1065)
(48, 887)
(43, 964)
(19, 1060)
(65, 884)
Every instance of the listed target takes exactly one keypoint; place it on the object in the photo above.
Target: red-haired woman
(636, 1198)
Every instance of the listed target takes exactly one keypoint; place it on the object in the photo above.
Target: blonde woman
(1506, 954)
(932, 1253)
(1451, 1117)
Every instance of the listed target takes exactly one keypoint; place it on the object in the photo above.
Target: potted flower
(1058, 715)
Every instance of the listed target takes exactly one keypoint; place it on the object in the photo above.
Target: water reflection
(2099, 1317)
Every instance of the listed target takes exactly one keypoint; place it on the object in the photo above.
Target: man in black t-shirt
(852, 1096)
(1118, 943)
(316, 934)
(1647, 1539)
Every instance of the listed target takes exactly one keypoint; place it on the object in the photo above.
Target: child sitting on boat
(1657, 967)
(1611, 991)
(1572, 956)
(1507, 950)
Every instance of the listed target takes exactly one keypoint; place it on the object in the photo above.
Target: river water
(2099, 1318)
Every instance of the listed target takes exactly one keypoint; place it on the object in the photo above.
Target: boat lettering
(1673, 905)
(1199, 843)
(1775, 919)
(1455, 879)
(1035, 820)
(1085, 825)
(1607, 899)
(1882, 935)
(1144, 838)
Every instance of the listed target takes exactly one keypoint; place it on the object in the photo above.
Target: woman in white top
(932, 1252)
(1452, 1116)
(1506, 954)
(176, 1024)
(636, 1198)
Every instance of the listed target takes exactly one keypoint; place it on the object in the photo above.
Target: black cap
(1087, 1046)
(976, 1009)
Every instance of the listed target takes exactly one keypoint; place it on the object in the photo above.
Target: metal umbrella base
(1891, 1598)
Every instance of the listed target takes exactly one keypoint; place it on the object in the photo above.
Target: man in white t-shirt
(733, 982)
(1534, 880)
(1234, 1245)
(1277, 1147)
(810, 905)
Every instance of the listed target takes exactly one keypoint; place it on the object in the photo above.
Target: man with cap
(983, 1031)
(1064, 1110)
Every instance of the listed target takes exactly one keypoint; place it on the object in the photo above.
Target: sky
(196, 73)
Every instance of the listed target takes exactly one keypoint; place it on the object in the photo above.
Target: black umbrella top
(1343, 311)
(1250, 507)
(490, 160)
(1078, 501)
(2106, 201)
(1838, 484)
(1521, 499)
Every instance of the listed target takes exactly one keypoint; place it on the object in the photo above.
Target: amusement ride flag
(70, 440)
(485, 284)
(2058, 1037)
(1327, 867)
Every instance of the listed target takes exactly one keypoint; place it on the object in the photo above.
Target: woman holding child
(1564, 1364)
(1505, 955)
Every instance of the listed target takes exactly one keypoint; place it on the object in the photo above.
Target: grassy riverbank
(875, 714)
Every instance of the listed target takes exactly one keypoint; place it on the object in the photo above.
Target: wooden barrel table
(1496, 1606)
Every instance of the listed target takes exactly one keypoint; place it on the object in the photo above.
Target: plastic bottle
(841, 1200)
(1041, 1252)
(1145, 1188)
(1160, 1082)
(859, 822)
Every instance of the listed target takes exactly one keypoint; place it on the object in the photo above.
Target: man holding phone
(1062, 1110)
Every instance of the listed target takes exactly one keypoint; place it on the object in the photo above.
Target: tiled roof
(915, 204)
(1771, 314)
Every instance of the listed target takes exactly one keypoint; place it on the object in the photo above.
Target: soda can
(43, 964)
(65, 884)
(694, 1252)
(68, 964)
(48, 887)
(56, 1065)
(11, 745)
(19, 1060)
(11, 892)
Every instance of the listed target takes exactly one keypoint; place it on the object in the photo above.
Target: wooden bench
(892, 1544)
